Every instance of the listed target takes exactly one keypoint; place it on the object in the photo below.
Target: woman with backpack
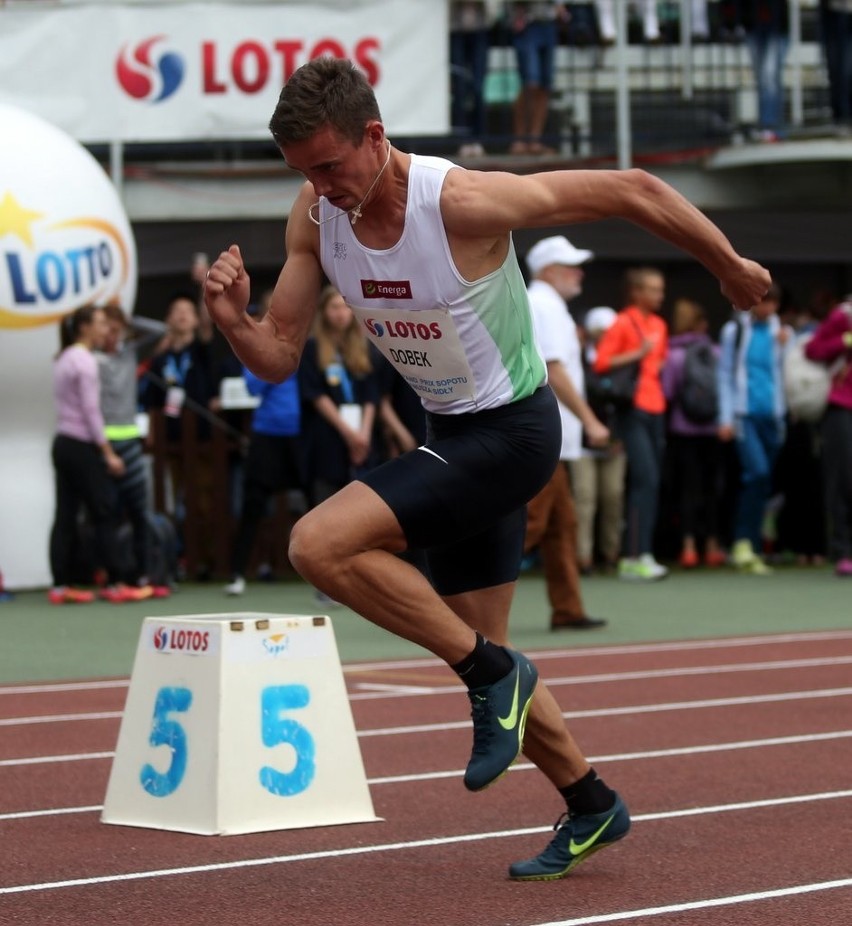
(752, 409)
(689, 380)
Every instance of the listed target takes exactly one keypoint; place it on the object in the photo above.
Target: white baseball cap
(555, 250)
(599, 318)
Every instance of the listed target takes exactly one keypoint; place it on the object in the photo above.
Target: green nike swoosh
(509, 722)
(579, 848)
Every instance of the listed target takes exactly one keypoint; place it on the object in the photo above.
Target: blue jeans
(758, 443)
(468, 65)
(535, 49)
(836, 28)
(644, 438)
(768, 51)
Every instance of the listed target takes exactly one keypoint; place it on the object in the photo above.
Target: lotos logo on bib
(399, 328)
(386, 289)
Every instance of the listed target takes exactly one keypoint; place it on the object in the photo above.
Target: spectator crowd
(678, 447)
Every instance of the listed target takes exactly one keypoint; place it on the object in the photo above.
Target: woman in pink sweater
(83, 460)
(832, 344)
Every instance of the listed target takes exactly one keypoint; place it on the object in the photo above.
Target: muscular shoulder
(473, 202)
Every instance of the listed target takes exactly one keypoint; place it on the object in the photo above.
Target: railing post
(622, 90)
(686, 49)
(796, 95)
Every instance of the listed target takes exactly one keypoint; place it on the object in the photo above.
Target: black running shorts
(462, 496)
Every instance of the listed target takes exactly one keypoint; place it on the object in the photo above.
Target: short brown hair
(115, 313)
(325, 91)
(688, 315)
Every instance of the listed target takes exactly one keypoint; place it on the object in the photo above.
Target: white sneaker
(237, 587)
(650, 568)
(746, 560)
(643, 569)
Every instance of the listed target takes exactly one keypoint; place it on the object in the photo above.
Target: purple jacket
(827, 345)
(672, 377)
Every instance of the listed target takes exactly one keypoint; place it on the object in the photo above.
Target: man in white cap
(557, 273)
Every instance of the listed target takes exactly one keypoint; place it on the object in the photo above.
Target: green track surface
(47, 642)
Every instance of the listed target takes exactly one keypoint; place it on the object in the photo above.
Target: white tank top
(462, 346)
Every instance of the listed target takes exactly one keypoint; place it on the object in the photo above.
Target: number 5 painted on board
(277, 730)
(166, 732)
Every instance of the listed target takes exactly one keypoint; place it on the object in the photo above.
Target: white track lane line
(680, 751)
(704, 703)
(582, 653)
(59, 718)
(618, 649)
(630, 710)
(711, 903)
(648, 754)
(400, 846)
(776, 665)
(640, 675)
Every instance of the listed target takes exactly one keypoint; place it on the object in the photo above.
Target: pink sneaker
(68, 595)
(843, 567)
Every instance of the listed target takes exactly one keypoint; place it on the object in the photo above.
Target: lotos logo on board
(148, 72)
(188, 640)
(151, 71)
(50, 266)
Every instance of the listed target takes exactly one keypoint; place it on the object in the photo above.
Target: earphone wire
(355, 212)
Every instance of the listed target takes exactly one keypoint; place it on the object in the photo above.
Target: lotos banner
(179, 71)
(64, 241)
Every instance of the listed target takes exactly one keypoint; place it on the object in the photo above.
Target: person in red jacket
(639, 336)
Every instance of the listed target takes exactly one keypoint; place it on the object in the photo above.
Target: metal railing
(673, 98)
(631, 101)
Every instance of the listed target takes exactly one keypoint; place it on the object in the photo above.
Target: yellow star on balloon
(16, 220)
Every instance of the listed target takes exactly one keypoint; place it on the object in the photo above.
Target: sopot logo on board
(276, 644)
(51, 266)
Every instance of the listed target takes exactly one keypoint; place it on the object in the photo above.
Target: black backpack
(698, 396)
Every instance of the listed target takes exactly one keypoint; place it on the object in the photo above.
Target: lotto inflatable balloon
(64, 241)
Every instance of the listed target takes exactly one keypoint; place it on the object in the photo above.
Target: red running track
(733, 755)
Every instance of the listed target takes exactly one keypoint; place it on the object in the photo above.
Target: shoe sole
(556, 875)
(522, 726)
(751, 570)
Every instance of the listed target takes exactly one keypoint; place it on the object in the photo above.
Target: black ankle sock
(588, 795)
(486, 664)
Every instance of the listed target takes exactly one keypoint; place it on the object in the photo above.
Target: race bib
(424, 347)
(352, 415)
(175, 396)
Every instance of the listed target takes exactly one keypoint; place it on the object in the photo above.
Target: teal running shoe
(577, 837)
(499, 713)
